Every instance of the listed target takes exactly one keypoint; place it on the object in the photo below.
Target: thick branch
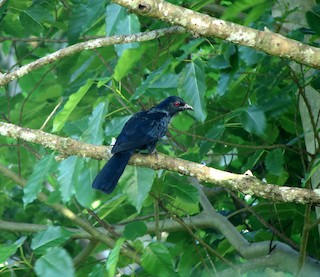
(91, 44)
(204, 25)
(282, 257)
(237, 182)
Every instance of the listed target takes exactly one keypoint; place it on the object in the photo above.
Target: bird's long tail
(110, 174)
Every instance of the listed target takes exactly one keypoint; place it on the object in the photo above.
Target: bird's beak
(187, 107)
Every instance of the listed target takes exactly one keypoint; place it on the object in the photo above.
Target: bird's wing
(142, 129)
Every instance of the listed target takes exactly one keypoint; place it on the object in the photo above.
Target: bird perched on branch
(141, 132)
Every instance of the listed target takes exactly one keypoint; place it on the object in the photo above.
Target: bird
(140, 133)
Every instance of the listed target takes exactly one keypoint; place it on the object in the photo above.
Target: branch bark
(204, 25)
(237, 182)
(87, 45)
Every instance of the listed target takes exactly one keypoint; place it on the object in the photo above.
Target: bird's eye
(177, 103)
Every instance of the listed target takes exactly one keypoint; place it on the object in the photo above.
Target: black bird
(141, 132)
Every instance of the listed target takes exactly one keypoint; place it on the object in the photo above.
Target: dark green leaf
(276, 106)
(253, 120)
(313, 18)
(134, 230)
(274, 162)
(84, 14)
(253, 160)
(219, 62)
(159, 80)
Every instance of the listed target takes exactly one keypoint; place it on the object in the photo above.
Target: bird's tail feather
(110, 174)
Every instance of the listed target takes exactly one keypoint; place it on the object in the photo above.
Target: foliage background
(246, 118)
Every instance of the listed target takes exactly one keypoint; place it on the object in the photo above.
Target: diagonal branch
(87, 45)
(237, 182)
(204, 25)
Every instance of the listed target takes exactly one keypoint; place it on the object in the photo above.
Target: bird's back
(142, 129)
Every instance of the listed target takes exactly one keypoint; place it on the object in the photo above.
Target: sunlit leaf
(53, 236)
(94, 133)
(55, 262)
(42, 169)
(69, 171)
(192, 87)
(156, 260)
(69, 107)
(7, 250)
(137, 182)
(114, 257)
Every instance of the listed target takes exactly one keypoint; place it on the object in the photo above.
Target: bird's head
(173, 105)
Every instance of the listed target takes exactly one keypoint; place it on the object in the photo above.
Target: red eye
(177, 103)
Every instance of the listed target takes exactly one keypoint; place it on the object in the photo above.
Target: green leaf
(33, 17)
(127, 61)
(134, 230)
(114, 257)
(232, 12)
(84, 14)
(42, 169)
(314, 169)
(192, 87)
(157, 81)
(215, 132)
(84, 193)
(253, 160)
(219, 62)
(186, 193)
(274, 162)
(69, 171)
(114, 14)
(249, 55)
(53, 236)
(128, 26)
(55, 262)
(119, 22)
(253, 120)
(94, 133)
(68, 108)
(137, 184)
(276, 106)
(313, 18)
(157, 261)
(115, 126)
(7, 250)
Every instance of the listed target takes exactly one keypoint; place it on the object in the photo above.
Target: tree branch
(61, 209)
(238, 182)
(87, 45)
(204, 25)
